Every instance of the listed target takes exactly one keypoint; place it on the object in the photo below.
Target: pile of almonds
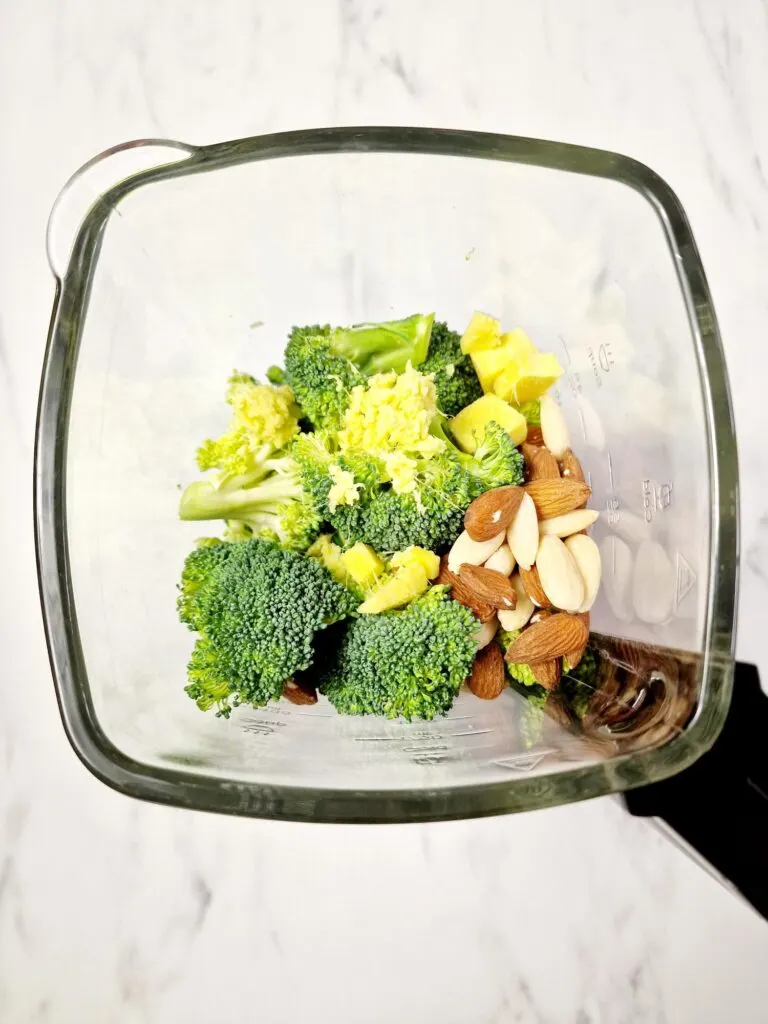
(525, 562)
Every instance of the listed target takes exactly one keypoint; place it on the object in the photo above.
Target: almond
(488, 678)
(549, 639)
(524, 609)
(534, 435)
(472, 551)
(554, 429)
(533, 587)
(566, 525)
(586, 554)
(502, 561)
(559, 575)
(556, 497)
(299, 693)
(489, 586)
(486, 633)
(539, 615)
(460, 592)
(541, 465)
(570, 467)
(573, 657)
(547, 673)
(492, 512)
(523, 533)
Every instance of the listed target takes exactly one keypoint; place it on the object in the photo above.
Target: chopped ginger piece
(469, 425)
(415, 555)
(407, 583)
(363, 564)
(482, 332)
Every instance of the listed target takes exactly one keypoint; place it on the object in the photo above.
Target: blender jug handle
(718, 807)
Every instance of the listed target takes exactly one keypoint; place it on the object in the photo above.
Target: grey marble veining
(113, 912)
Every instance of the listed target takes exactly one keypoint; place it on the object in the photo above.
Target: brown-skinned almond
(542, 464)
(534, 435)
(489, 586)
(492, 512)
(488, 678)
(570, 467)
(299, 693)
(549, 639)
(556, 497)
(574, 657)
(460, 592)
(533, 588)
(547, 673)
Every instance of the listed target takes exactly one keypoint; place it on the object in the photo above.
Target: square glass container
(175, 264)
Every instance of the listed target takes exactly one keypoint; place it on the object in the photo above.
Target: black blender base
(719, 806)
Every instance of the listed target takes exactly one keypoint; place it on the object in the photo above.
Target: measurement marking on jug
(613, 508)
(605, 356)
(565, 349)
(610, 469)
(685, 581)
(655, 499)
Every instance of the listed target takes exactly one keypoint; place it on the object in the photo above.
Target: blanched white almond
(587, 556)
(502, 561)
(570, 522)
(486, 633)
(559, 575)
(516, 618)
(523, 534)
(473, 552)
(554, 429)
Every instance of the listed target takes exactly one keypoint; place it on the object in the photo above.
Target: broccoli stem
(377, 348)
(201, 500)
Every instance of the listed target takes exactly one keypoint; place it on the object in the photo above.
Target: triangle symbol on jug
(686, 579)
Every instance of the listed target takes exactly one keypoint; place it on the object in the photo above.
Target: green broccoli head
(496, 461)
(456, 382)
(431, 519)
(324, 363)
(199, 568)
(320, 379)
(407, 663)
(257, 610)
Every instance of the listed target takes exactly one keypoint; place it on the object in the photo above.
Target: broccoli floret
(198, 569)
(431, 519)
(276, 375)
(496, 461)
(256, 610)
(269, 503)
(324, 363)
(407, 664)
(456, 382)
(320, 380)
(264, 420)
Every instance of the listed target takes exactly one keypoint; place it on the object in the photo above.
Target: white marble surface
(114, 911)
